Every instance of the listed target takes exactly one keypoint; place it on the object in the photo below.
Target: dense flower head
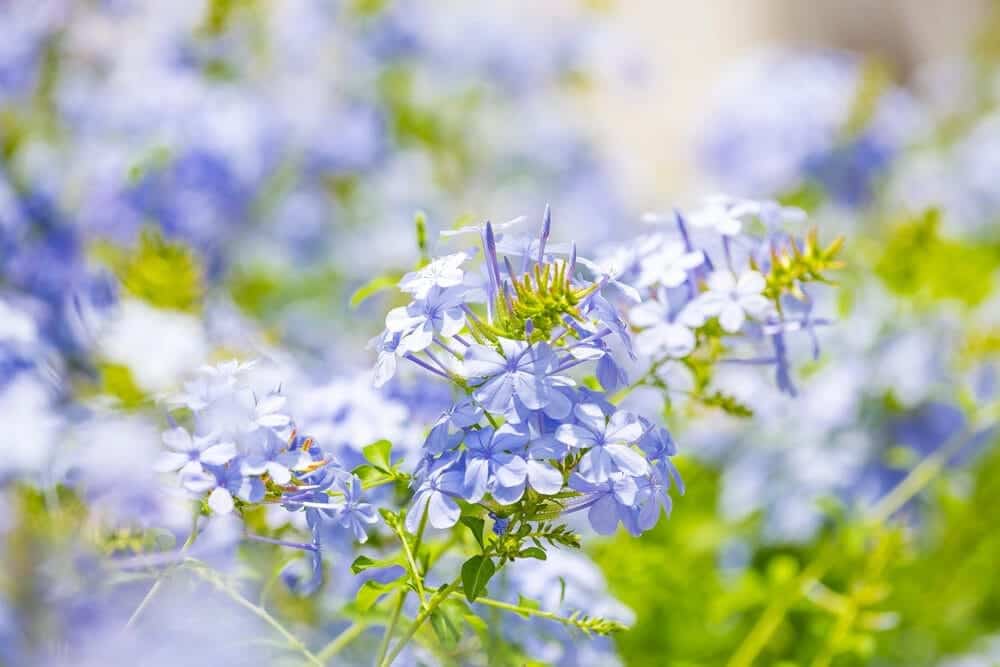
(710, 284)
(513, 339)
(233, 448)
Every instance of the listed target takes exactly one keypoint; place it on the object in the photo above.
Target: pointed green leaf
(476, 525)
(533, 552)
(373, 287)
(476, 573)
(362, 563)
(527, 603)
(379, 455)
(370, 593)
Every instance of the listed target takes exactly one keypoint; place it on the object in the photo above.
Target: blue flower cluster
(523, 426)
(242, 449)
(730, 262)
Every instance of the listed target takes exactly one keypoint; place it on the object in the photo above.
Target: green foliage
(915, 261)
(439, 129)
(476, 526)
(163, 273)
(373, 287)
(379, 470)
(476, 573)
(116, 380)
(859, 594)
(728, 404)
(264, 293)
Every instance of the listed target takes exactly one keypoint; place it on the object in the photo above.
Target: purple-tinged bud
(529, 328)
(546, 228)
(682, 228)
(490, 254)
(510, 269)
(506, 297)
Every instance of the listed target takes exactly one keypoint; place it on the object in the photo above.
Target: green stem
(411, 560)
(341, 641)
(261, 613)
(391, 628)
(433, 604)
(917, 479)
(775, 612)
(155, 588)
(580, 623)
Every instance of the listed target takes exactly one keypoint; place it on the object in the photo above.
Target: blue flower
(188, 453)
(607, 502)
(439, 313)
(269, 453)
(354, 513)
(538, 450)
(231, 482)
(491, 467)
(436, 496)
(524, 371)
(461, 415)
(652, 497)
(608, 442)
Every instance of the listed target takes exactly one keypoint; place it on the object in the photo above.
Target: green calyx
(793, 265)
(543, 297)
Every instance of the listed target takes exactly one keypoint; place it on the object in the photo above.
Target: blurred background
(240, 178)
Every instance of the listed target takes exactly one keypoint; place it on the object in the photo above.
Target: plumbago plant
(535, 343)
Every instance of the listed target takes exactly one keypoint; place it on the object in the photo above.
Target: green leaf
(370, 593)
(362, 563)
(379, 455)
(373, 287)
(527, 603)
(476, 573)
(420, 221)
(447, 622)
(476, 525)
(117, 381)
(918, 262)
(533, 552)
(476, 623)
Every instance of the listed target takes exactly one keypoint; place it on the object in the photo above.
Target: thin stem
(341, 641)
(433, 604)
(917, 479)
(410, 558)
(261, 613)
(775, 612)
(281, 543)
(528, 611)
(155, 588)
(390, 629)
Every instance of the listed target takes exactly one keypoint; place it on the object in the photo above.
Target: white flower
(187, 453)
(731, 299)
(717, 214)
(668, 266)
(443, 272)
(661, 334)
